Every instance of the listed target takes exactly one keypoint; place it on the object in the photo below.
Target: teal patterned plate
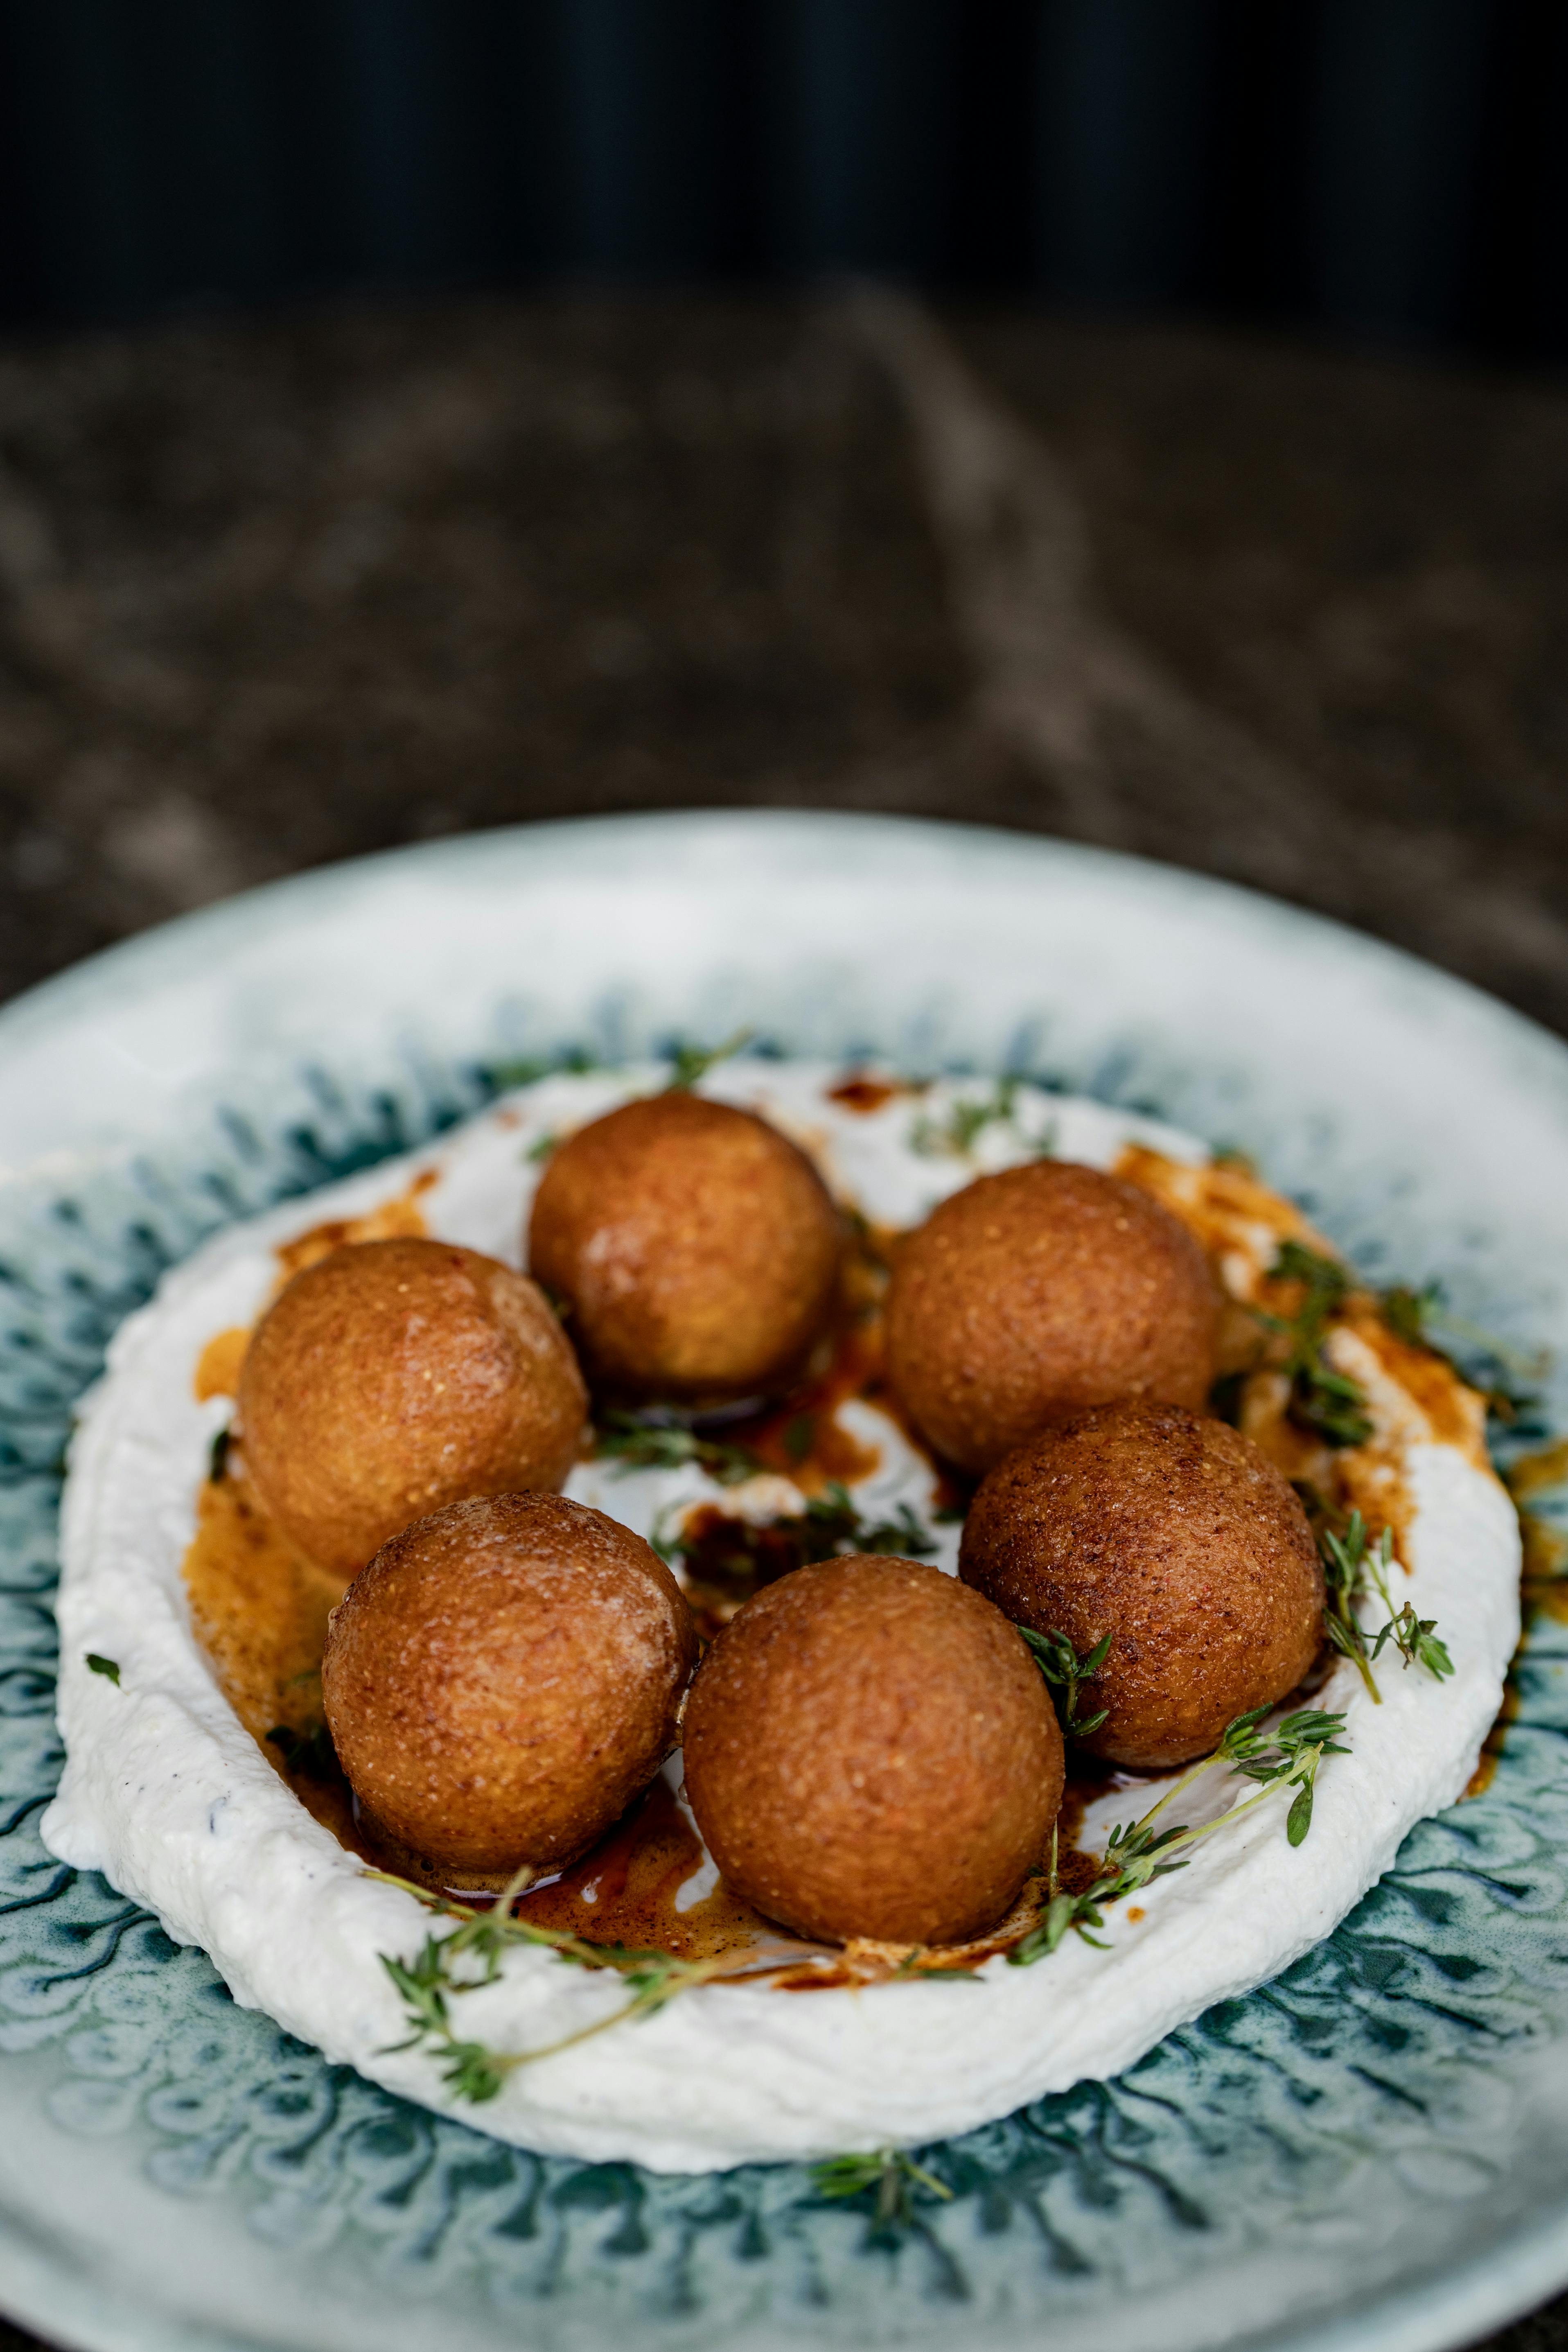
(1371, 2150)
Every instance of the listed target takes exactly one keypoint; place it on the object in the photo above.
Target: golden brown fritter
(1031, 1295)
(1179, 1538)
(393, 1377)
(501, 1681)
(696, 1246)
(869, 1751)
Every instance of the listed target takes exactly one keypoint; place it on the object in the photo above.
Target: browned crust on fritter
(1178, 1538)
(869, 1751)
(697, 1248)
(503, 1679)
(1034, 1294)
(396, 1376)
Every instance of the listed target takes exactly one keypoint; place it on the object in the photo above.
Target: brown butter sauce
(625, 1890)
(864, 1094)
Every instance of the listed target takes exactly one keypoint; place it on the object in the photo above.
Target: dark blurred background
(1392, 168)
(421, 415)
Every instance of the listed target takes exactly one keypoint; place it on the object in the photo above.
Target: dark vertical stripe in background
(1390, 169)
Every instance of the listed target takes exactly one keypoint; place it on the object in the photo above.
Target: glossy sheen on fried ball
(869, 1751)
(697, 1248)
(1179, 1538)
(393, 1377)
(1031, 1295)
(501, 1681)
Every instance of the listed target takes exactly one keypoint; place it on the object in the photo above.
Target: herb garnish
(954, 1137)
(1350, 1564)
(217, 1459)
(1333, 1404)
(669, 1445)
(1065, 1670)
(427, 1983)
(1503, 1375)
(1287, 1757)
(305, 1751)
(1322, 1399)
(96, 1665)
(689, 1063)
(888, 2173)
(738, 1556)
(525, 1072)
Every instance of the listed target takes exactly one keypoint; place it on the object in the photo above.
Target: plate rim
(159, 951)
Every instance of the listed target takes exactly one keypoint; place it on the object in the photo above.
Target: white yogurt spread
(167, 1794)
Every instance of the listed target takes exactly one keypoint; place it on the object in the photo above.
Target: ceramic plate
(1371, 2150)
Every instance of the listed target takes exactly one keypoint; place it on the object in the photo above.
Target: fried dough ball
(1179, 1538)
(1033, 1295)
(392, 1377)
(870, 1750)
(501, 1681)
(697, 1248)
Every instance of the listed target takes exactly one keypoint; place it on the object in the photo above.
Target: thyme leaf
(1064, 1670)
(1334, 1405)
(305, 1751)
(1408, 1312)
(1322, 1399)
(832, 1518)
(1135, 1855)
(1505, 1376)
(689, 1063)
(470, 1957)
(504, 1076)
(739, 1555)
(526, 1070)
(107, 1667)
(1288, 1757)
(886, 2174)
(1352, 1564)
(668, 1445)
(954, 1136)
(217, 1459)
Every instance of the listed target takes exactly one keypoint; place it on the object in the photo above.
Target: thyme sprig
(1289, 1756)
(1352, 1564)
(638, 1445)
(305, 1751)
(689, 1063)
(1064, 1670)
(1506, 1376)
(739, 1554)
(954, 1136)
(1322, 1399)
(1335, 1405)
(832, 1518)
(886, 2173)
(470, 1957)
(1133, 1859)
